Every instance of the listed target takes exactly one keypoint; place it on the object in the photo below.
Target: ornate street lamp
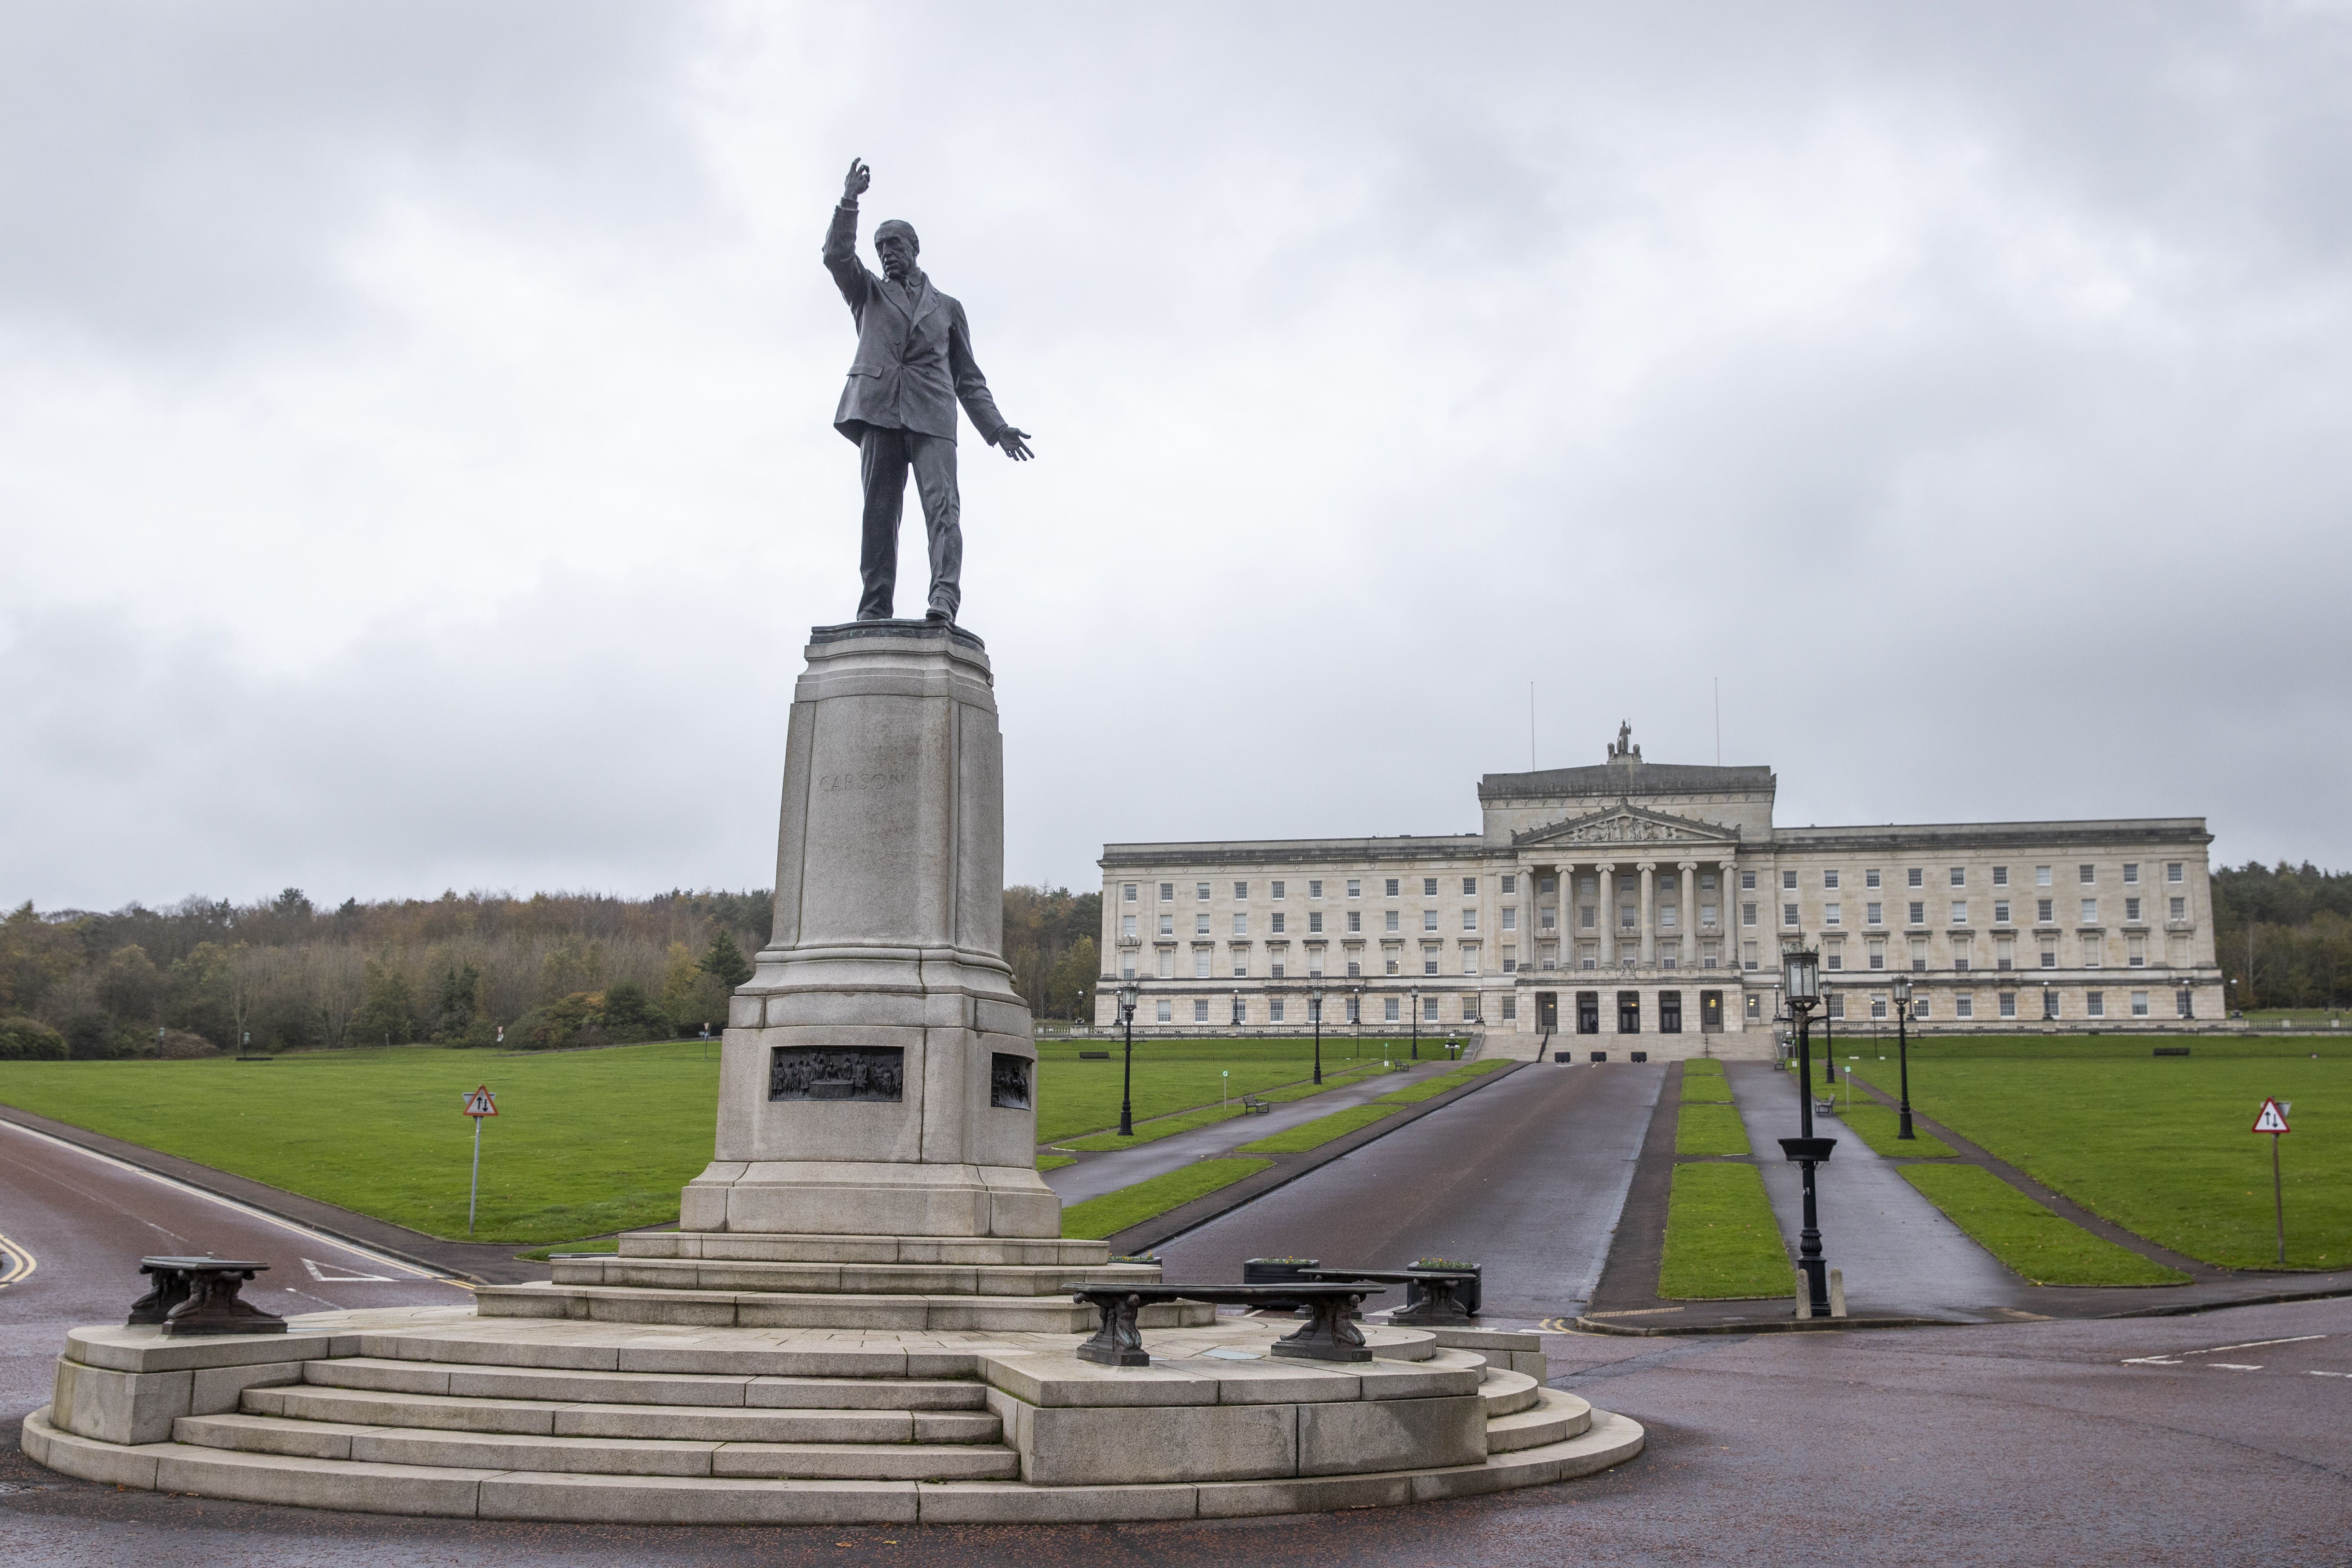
(1802, 968)
(1416, 1023)
(1903, 1049)
(1315, 1012)
(1237, 1008)
(1127, 995)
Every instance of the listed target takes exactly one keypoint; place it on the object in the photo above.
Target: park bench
(1329, 1334)
(1438, 1306)
(1825, 1106)
(199, 1295)
(1252, 1106)
(1094, 1056)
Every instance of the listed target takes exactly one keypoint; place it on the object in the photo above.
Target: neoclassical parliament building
(1646, 903)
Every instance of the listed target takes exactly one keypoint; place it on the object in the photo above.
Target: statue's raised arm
(914, 365)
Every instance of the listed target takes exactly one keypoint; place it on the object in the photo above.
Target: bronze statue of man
(914, 363)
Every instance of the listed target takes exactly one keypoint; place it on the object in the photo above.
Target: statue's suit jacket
(914, 349)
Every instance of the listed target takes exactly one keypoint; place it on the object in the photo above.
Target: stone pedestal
(878, 1074)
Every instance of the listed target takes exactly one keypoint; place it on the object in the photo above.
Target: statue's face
(897, 253)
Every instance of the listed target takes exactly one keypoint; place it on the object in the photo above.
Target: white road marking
(247, 1210)
(2233, 1366)
(318, 1271)
(2315, 1372)
(2172, 1358)
(16, 1265)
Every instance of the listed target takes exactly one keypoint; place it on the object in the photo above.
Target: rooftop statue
(914, 365)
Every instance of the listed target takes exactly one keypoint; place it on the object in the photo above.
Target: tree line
(203, 976)
(2284, 934)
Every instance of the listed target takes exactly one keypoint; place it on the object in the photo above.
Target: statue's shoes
(945, 617)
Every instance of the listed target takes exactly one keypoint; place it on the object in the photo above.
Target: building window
(1355, 971)
(1241, 892)
(1747, 881)
(1429, 887)
(1919, 913)
(1787, 914)
(1314, 888)
(1200, 926)
(1241, 963)
(1126, 892)
(1586, 916)
(2094, 1003)
(1273, 890)
(1916, 876)
(1870, 878)
(1391, 920)
(1126, 925)
(2131, 912)
(1274, 1010)
(1127, 966)
(1789, 881)
(1543, 884)
(2090, 912)
(1510, 917)
(1200, 1011)
(1278, 919)
(1667, 915)
(2136, 951)
(1830, 914)
(1510, 884)
(1469, 887)
(1469, 958)
(2049, 953)
(1167, 963)
(1878, 954)
(1873, 914)
(1918, 1007)
(1355, 923)
(1836, 1000)
(1241, 925)
(1167, 893)
(1959, 912)
(1834, 958)
(1314, 921)
(2087, 875)
(2093, 951)
(1964, 1006)
(2131, 873)
(1510, 1009)
(2180, 1003)
(1706, 917)
(1166, 1013)
(1469, 919)
(2001, 911)
(1355, 887)
(2042, 876)
(1710, 957)
(1748, 957)
(2000, 876)
(2049, 1005)
(1201, 892)
(1278, 960)
(2045, 911)
(1830, 881)
(2180, 909)
(2172, 874)
(2139, 1004)
(1918, 955)
(1959, 876)
(1429, 920)
(1877, 1005)
(1167, 925)
(1392, 886)
(1511, 959)
(1706, 881)
(1390, 961)
(1315, 962)
(1429, 961)
(1389, 1010)
(2004, 953)
(2007, 1005)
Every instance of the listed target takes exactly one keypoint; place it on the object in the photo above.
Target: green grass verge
(1321, 1130)
(1053, 1162)
(2160, 1145)
(1710, 1130)
(1151, 1132)
(2029, 1238)
(1443, 1083)
(1078, 1096)
(1877, 1126)
(1702, 1067)
(1114, 1211)
(1722, 1242)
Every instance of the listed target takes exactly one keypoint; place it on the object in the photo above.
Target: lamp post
(1416, 1023)
(1801, 967)
(1126, 1081)
(1903, 1050)
(1315, 1012)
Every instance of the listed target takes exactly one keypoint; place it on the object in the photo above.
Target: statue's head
(895, 243)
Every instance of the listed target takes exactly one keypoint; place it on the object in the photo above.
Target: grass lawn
(1321, 1130)
(1078, 1096)
(1876, 1125)
(2161, 1145)
(1710, 1130)
(1053, 1162)
(2045, 1248)
(1150, 1132)
(1443, 1083)
(1722, 1242)
(1114, 1211)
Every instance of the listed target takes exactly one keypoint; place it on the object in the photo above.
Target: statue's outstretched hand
(854, 183)
(1015, 443)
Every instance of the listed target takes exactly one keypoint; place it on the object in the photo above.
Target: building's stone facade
(2000, 925)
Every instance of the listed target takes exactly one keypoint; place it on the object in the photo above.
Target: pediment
(1626, 823)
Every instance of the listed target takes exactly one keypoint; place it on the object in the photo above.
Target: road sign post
(2271, 1118)
(479, 1102)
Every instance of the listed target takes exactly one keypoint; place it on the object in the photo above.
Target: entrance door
(1588, 1012)
(1629, 1012)
(1670, 1012)
(1547, 1012)
(1710, 1012)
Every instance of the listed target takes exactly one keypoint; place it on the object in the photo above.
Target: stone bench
(199, 1295)
(1328, 1335)
(1438, 1303)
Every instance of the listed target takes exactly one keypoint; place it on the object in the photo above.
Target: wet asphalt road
(1526, 1177)
(85, 1221)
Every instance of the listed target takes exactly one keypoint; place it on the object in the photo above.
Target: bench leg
(1119, 1342)
(1438, 1308)
(213, 1306)
(1331, 1335)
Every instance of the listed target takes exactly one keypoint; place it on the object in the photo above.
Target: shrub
(179, 1046)
(30, 1040)
(92, 1037)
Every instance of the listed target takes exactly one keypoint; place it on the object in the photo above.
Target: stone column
(1687, 934)
(1608, 911)
(1564, 878)
(878, 1071)
(1649, 911)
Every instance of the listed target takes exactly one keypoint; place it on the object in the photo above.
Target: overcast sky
(416, 468)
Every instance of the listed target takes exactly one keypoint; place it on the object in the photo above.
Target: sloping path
(1107, 1171)
(1900, 1256)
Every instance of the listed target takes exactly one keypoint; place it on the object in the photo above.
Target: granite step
(840, 1279)
(1554, 1417)
(647, 1423)
(601, 1455)
(626, 1347)
(1508, 1393)
(567, 1385)
(767, 1310)
(967, 1252)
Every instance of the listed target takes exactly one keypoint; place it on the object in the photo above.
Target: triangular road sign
(481, 1101)
(2272, 1120)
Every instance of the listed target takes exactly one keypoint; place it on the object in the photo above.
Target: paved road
(1900, 1256)
(1526, 1178)
(1098, 1173)
(86, 1220)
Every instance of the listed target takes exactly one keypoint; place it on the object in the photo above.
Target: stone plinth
(878, 1074)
